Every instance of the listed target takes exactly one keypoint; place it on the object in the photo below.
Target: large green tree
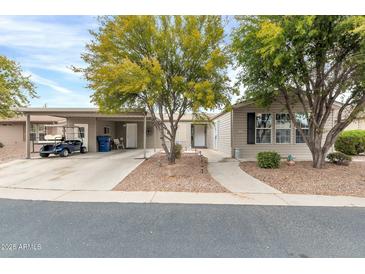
(312, 61)
(168, 65)
(15, 87)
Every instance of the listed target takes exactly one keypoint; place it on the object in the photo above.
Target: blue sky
(46, 47)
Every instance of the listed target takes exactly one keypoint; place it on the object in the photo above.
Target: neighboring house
(12, 130)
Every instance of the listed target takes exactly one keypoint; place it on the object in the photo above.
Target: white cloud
(49, 83)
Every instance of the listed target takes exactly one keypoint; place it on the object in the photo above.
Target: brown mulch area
(304, 179)
(184, 176)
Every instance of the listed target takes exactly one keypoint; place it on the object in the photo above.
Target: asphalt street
(62, 229)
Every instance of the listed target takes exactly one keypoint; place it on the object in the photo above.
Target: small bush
(351, 142)
(268, 159)
(339, 158)
(178, 149)
(1, 145)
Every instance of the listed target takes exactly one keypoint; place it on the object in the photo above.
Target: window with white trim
(282, 128)
(41, 132)
(37, 132)
(302, 122)
(263, 128)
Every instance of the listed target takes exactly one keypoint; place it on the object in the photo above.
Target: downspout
(232, 150)
(154, 138)
(332, 147)
(144, 134)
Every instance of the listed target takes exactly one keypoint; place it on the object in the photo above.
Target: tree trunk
(319, 154)
(163, 142)
(315, 146)
(318, 158)
(172, 156)
(170, 153)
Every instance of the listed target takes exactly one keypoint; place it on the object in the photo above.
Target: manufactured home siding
(183, 135)
(357, 124)
(101, 124)
(210, 135)
(223, 137)
(249, 151)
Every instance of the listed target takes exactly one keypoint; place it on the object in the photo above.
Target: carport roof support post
(144, 134)
(27, 136)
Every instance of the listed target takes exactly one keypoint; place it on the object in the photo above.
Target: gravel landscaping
(186, 175)
(303, 179)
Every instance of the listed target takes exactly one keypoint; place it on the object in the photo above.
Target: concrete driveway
(91, 171)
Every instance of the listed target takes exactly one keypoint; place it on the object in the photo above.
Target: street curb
(156, 197)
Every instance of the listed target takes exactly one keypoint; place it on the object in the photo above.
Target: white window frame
(290, 129)
(270, 128)
(35, 129)
(300, 127)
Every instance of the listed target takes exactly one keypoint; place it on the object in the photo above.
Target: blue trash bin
(104, 143)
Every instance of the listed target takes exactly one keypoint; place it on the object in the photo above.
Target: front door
(84, 134)
(131, 135)
(199, 135)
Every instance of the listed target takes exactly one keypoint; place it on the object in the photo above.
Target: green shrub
(1, 145)
(339, 158)
(351, 142)
(178, 149)
(268, 159)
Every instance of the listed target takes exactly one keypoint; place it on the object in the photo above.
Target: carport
(134, 126)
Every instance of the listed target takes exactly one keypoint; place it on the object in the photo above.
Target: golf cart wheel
(64, 153)
(83, 150)
(44, 155)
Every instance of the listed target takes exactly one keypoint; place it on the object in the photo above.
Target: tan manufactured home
(240, 133)
(248, 129)
(134, 127)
